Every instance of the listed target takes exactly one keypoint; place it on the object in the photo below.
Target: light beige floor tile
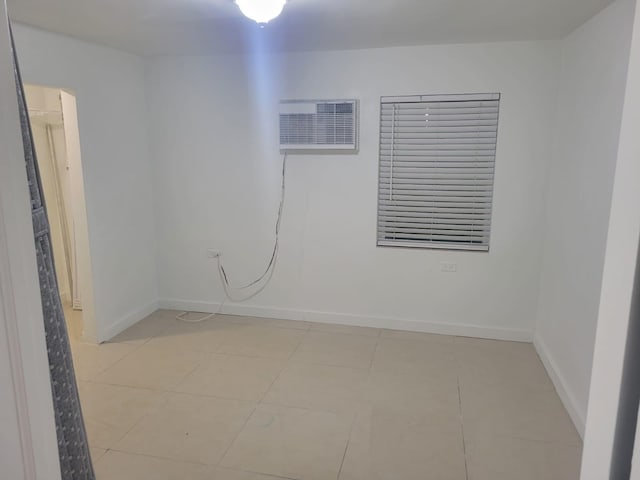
(396, 447)
(291, 442)
(265, 322)
(427, 337)
(563, 461)
(490, 410)
(151, 367)
(336, 349)
(415, 357)
(232, 376)
(412, 395)
(319, 387)
(203, 336)
(124, 466)
(408, 405)
(501, 363)
(111, 410)
(188, 428)
(258, 341)
(346, 329)
(96, 453)
(505, 458)
(74, 322)
(226, 474)
(144, 330)
(90, 360)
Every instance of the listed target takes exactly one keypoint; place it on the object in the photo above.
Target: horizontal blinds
(437, 160)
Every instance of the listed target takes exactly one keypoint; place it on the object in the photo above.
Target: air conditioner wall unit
(319, 126)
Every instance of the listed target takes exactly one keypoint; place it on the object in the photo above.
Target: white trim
(34, 450)
(127, 321)
(408, 324)
(478, 97)
(562, 387)
(9, 318)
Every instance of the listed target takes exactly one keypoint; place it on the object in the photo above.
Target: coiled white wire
(268, 273)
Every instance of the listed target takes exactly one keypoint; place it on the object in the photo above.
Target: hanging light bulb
(261, 11)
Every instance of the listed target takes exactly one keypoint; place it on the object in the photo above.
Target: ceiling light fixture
(261, 11)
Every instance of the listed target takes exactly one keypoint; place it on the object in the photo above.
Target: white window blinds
(437, 157)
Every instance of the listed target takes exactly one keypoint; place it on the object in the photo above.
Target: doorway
(53, 117)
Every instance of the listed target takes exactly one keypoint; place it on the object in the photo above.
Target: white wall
(587, 125)
(109, 86)
(617, 292)
(215, 154)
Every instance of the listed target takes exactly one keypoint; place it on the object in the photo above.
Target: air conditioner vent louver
(318, 125)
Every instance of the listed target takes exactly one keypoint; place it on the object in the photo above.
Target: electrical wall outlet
(213, 253)
(449, 267)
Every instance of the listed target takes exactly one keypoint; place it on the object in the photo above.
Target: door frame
(26, 389)
(78, 208)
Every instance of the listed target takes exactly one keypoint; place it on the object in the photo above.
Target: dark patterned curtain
(75, 461)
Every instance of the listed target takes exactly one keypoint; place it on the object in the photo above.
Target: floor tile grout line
(346, 447)
(257, 404)
(216, 397)
(375, 350)
(137, 347)
(311, 409)
(464, 441)
(237, 435)
(539, 441)
(284, 367)
(293, 361)
(191, 462)
(162, 395)
(158, 389)
(207, 352)
(268, 475)
(295, 350)
(96, 382)
(238, 355)
(158, 457)
(246, 421)
(184, 377)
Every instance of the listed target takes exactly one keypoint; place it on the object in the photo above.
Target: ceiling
(165, 27)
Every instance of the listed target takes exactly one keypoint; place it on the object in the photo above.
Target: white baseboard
(414, 325)
(128, 320)
(562, 387)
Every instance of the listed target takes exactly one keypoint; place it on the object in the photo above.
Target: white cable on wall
(268, 273)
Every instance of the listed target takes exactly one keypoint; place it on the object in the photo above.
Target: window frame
(484, 245)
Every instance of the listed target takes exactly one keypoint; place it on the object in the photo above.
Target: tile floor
(74, 321)
(237, 398)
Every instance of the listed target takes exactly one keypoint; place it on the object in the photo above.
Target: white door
(82, 278)
(76, 203)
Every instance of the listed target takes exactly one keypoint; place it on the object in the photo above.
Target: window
(437, 157)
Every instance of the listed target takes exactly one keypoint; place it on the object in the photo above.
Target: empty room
(320, 239)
